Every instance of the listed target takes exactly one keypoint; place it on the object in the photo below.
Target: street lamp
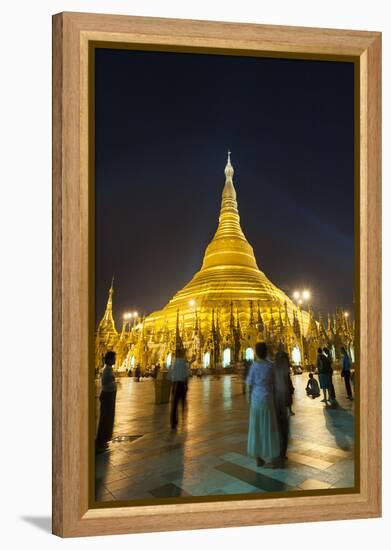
(127, 316)
(301, 296)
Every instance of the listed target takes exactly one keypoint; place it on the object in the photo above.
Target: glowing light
(306, 294)
(300, 302)
(192, 303)
(296, 355)
(346, 314)
(206, 360)
(249, 354)
(168, 360)
(296, 295)
(226, 357)
(135, 314)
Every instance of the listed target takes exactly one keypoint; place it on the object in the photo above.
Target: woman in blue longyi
(263, 436)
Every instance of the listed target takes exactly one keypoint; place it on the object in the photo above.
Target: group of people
(271, 400)
(271, 396)
(324, 365)
(178, 375)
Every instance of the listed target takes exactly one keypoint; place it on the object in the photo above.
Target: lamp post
(300, 297)
(127, 317)
(135, 317)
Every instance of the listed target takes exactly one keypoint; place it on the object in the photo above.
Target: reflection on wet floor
(207, 453)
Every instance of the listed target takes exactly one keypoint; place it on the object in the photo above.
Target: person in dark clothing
(246, 368)
(345, 372)
(137, 373)
(312, 387)
(329, 361)
(323, 373)
(107, 404)
(179, 375)
(283, 390)
(156, 371)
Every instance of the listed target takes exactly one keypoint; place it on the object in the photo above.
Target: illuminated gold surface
(229, 272)
(229, 303)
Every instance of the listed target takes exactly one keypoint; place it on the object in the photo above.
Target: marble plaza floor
(207, 454)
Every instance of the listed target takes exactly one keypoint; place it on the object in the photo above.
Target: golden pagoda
(229, 290)
(227, 307)
(106, 335)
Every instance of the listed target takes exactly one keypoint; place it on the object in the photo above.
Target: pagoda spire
(260, 323)
(231, 316)
(287, 322)
(178, 339)
(107, 322)
(229, 220)
(251, 323)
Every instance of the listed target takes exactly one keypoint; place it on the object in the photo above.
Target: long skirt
(106, 419)
(263, 437)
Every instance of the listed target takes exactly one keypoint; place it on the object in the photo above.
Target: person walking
(245, 371)
(329, 361)
(107, 404)
(156, 371)
(179, 376)
(323, 374)
(345, 372)
(283, 390)
(263, 441)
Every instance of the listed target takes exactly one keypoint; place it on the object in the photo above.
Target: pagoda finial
(228, 171)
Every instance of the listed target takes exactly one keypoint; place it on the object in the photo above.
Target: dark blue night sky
(164, 122)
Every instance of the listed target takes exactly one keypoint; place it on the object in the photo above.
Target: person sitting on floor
(312, 387)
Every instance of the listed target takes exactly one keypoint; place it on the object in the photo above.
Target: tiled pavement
(207, 454)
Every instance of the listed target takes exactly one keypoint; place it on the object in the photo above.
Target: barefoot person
(312, 387)
(324, 375)
(283, 390)
(329, 361)
(263, 438)
(179, 376)
(107, 404)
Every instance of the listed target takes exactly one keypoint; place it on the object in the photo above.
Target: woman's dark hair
(320, 350)
(310, 375)
(261, 350)
(343, 350)
(110, 355)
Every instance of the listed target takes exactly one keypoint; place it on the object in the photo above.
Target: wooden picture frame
(72, 273)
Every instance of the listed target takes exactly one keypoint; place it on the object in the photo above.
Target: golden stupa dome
(229, 272)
